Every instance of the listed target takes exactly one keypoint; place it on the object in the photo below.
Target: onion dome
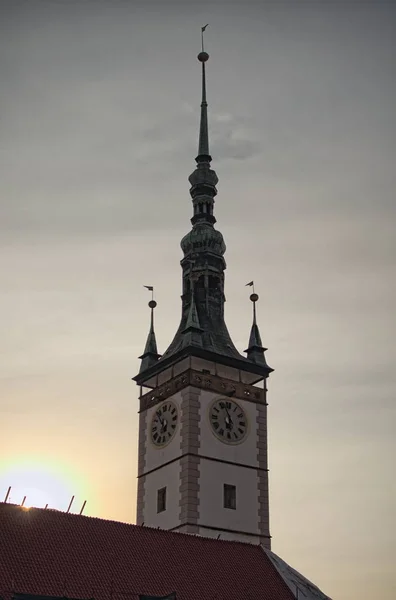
(203, 238)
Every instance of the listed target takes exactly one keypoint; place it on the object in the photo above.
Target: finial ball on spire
(254, 297)
(203, 57)
(152, 304)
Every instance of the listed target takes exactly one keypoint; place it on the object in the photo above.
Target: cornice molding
(214, 383)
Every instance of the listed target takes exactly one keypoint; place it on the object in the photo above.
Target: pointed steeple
(150, 354)
(202, 331)
(255, 351)
(203, 180)
(203, 143)
(202, 323)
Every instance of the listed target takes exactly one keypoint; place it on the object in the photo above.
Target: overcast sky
(99, 108)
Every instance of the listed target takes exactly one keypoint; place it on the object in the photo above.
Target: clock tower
(203, 406)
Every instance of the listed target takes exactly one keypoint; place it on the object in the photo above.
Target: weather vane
(251, 284)
(202, 32)
(150, 288)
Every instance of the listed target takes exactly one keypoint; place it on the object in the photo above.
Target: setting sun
(42, 484)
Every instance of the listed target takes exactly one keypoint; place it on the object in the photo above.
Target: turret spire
(255, 351)
(150, 354)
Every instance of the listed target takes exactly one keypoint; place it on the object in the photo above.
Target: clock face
(163, 423)
(228, 421)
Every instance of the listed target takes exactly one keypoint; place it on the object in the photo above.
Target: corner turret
(150, 355)
(255, 351)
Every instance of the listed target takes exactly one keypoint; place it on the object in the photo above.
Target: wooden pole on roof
(7, 494)
(71, 502)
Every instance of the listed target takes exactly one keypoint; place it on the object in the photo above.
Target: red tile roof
(53, 553)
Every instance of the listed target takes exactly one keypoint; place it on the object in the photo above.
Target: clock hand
(163, 422)
(228, 420)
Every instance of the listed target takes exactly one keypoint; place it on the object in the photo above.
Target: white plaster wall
(245, 452)
(169, 477)
(213, 476)
(158, 456)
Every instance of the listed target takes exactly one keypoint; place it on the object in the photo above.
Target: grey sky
(99, 117)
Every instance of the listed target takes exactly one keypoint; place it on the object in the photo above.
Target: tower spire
(202, 326)
(203, 143)
(202, 330)
(204, 179)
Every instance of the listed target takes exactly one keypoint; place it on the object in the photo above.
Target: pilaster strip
(262, 476)
(142, 448)
(189, 463)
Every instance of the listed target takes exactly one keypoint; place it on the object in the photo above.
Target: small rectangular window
(161, 500)
(229, 496)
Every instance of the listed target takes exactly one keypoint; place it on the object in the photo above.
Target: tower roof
(202, 330)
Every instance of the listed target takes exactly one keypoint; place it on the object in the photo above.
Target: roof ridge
(69, 515)
(292, 578)
(266, 552)
(62, 512)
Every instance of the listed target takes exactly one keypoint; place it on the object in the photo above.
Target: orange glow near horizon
(42, 482)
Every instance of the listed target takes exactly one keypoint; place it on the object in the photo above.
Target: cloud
(234, 142)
